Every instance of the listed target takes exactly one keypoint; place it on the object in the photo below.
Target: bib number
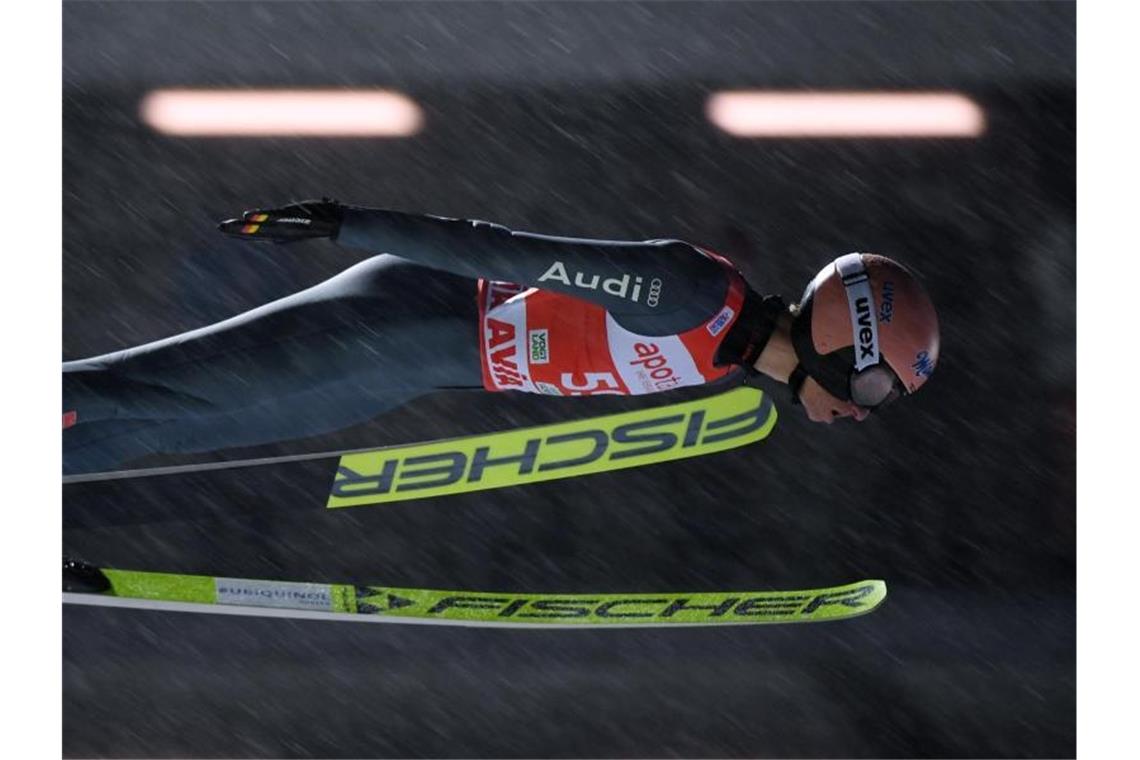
(593, 384)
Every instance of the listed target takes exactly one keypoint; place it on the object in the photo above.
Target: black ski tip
(83, 578)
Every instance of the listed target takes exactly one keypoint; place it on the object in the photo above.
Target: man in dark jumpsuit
(446, 304)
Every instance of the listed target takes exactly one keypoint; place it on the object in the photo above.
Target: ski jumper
(446, 304)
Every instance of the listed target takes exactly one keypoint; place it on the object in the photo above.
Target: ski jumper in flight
(445, 304)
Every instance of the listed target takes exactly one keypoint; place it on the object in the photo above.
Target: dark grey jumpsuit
(392, 327)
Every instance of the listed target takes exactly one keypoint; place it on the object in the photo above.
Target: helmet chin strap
(864, 326)
(796, 382)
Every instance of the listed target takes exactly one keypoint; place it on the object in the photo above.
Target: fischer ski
(87, 585)
(658, 434)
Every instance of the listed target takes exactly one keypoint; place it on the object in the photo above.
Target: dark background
(588, 119)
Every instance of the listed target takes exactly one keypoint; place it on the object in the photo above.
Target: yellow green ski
(550, 452)
(388, 604)
(364, 477)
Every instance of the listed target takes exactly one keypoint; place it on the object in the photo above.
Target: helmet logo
(861, 307)
(868, 351)
(923, 366)
(887, 307)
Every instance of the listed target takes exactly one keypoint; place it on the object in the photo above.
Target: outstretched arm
(652, 283)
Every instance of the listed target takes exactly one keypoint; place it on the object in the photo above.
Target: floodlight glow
(845, 114)
(296, 113)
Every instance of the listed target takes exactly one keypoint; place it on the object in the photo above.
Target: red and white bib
(539, 341)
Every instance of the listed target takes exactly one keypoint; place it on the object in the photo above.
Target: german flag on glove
(298, 221)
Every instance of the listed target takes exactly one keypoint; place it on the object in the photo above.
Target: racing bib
(539, 341)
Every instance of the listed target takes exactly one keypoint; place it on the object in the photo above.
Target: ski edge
(152, 605)
(236, 464)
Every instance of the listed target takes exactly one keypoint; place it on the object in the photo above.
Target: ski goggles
(857, 373)
(871, 388)
(874, 387)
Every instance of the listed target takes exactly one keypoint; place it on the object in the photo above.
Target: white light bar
(845, 114)
(288, 113)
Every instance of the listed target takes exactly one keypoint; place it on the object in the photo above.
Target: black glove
(298, 221)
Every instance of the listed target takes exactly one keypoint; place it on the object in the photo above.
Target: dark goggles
(872, 388)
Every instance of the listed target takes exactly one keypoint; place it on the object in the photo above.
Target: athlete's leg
(336, 354)
(107, 444)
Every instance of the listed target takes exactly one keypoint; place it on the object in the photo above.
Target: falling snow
(588, 120)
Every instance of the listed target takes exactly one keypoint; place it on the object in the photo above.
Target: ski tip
(83, 578)
(875, 597)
